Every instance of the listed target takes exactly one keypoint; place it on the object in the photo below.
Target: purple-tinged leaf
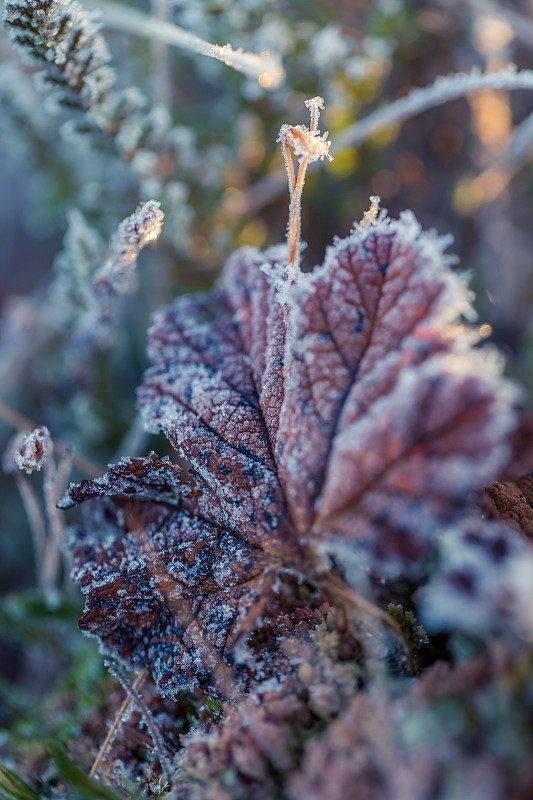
(344, 410)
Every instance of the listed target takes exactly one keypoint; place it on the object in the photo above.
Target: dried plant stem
(159, 745)
(116, 724)
(289, 166)
(295, 217)
(265, 67)
(54, 484)
(22, 423)
(37, 526)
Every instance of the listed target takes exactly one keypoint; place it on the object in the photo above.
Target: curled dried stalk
(308, 145)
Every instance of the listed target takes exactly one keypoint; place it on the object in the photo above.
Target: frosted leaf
(172, 587)
(344, 410)
(512, 501)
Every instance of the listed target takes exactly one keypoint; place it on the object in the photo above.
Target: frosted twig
(62, 37)
(29, 452)
(444, 89)
(372, 213)
(54, 484)
(266, 68)
(289, 166)
(26, 453)
(116, 277)
(159, 745)
(132, 235)
(128, 701)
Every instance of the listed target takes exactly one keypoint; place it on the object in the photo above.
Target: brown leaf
(342, 411)
(168, 589)
(513, 501)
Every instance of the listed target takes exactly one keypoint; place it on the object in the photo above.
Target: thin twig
(308, 146)
(159, 745)
(289, 166)
(444, 89)
(265, 67)
(116, 724)
(54, 485)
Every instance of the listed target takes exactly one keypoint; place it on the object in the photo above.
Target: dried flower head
(33, 450)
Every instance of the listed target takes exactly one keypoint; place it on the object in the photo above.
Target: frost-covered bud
(30, 451)
(118, 272)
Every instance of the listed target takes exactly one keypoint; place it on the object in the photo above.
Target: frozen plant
(285, 570)
(319, 420)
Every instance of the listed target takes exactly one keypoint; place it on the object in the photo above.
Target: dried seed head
(32, 451)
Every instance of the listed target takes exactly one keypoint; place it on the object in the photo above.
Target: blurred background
(201, 138)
